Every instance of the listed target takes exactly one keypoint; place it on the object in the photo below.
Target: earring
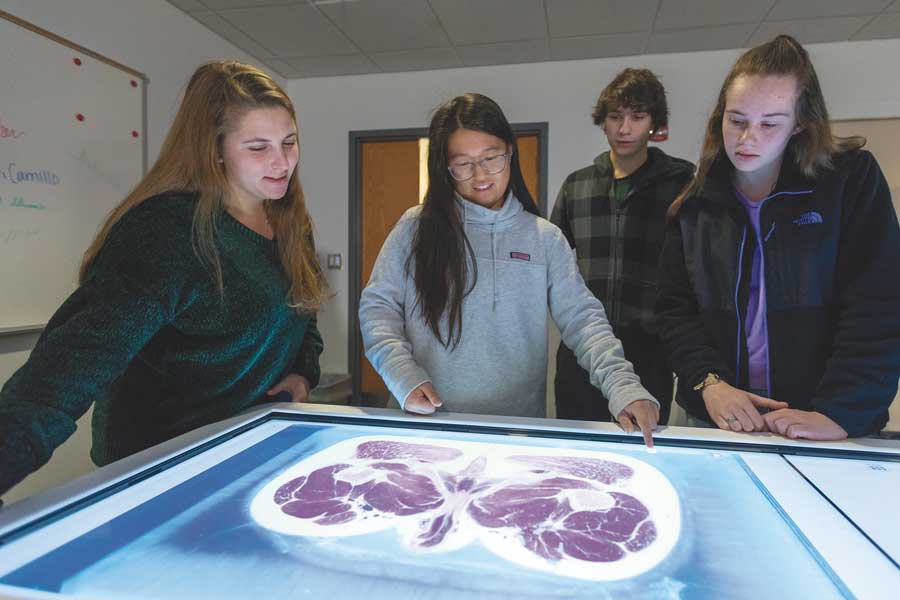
(220, 159)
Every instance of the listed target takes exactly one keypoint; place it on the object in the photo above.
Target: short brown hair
(637, 89)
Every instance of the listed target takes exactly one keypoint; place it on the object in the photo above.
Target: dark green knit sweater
(150, 339)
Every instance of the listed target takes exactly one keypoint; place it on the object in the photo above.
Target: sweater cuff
(17, 458)
(619, 401)
(855, 422)
(307, 365)
(402, 386)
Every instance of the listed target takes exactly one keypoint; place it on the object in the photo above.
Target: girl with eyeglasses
(455, 312)
(779, 302)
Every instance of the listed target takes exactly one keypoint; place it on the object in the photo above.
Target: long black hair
(441, 252)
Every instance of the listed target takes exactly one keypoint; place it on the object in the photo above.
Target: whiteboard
(71, 147)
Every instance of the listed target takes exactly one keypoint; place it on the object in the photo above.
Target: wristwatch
(710, 379)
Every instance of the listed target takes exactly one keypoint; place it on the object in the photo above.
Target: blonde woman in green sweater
(196, 300)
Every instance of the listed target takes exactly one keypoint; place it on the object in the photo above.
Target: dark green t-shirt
(620, 187)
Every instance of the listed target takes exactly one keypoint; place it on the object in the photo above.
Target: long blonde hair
(217, 96)
(812, 149)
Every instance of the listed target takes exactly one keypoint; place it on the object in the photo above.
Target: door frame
(354, 232)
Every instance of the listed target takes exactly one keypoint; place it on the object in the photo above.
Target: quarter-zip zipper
(737, 307)
(612, 304)
(762, 274)
(762, 270)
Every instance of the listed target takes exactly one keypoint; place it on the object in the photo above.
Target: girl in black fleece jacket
(779, 302)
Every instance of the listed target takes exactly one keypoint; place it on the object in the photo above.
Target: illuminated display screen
(292, 509)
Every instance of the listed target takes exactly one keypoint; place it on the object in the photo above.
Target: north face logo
(809, 218)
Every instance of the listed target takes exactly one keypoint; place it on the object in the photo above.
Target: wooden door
(389, 185)
(529, 161)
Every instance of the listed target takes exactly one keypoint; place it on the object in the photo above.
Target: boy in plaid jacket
(613, 214)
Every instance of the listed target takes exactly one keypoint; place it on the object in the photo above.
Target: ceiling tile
(225, 4)
(804, 9)
(314, 38)
(686, 14)
(328, 66)
(387, 25)
(597, 46)
(578, 18)
(187, 5)
(232, 34)
(836, 29)
(417, 60)
(490, 21)
(299, 30)
(504, 53)
(884, 27)
(282, 68)
(692, 40)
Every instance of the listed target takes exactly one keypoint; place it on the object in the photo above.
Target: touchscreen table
(294, 506)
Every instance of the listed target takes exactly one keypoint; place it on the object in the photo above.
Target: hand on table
(296, 385)
(423, 400)
(802, 424)
(733, 409)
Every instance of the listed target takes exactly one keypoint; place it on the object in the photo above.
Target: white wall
(853, 75)
(150, 36)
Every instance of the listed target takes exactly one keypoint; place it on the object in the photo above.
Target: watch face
(710, 379)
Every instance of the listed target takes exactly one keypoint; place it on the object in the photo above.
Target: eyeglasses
(490, 165)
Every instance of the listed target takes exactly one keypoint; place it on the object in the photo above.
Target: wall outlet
(335, 261)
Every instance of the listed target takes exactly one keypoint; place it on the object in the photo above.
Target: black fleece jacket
(831, 259)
